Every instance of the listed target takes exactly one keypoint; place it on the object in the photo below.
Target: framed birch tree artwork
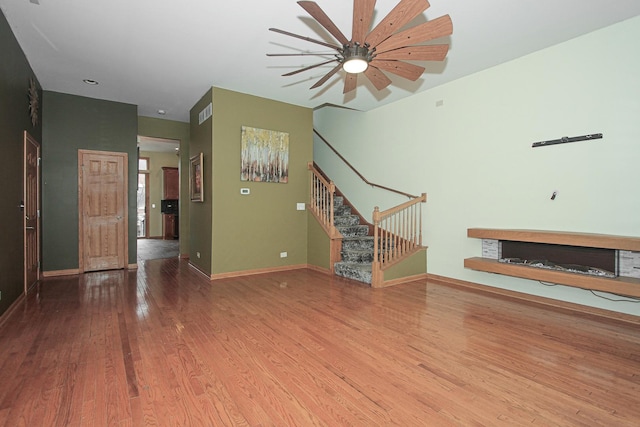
(265, 155)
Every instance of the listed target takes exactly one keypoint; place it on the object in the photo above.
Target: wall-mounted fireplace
(592, 261)
(574, 259)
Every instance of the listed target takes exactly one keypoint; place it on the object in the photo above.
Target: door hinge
(39, 160)
(38, 211)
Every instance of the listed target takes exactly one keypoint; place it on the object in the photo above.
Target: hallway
(157, 249)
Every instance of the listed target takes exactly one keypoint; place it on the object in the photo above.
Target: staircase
(366, 251)
(357, 244)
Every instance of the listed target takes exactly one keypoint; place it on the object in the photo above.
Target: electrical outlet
(283, 254)
(198, 254)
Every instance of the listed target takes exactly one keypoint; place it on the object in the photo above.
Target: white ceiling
(165, 54)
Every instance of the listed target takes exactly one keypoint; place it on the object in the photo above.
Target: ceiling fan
(384, 48)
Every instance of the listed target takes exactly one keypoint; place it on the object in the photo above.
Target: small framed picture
(196, 182)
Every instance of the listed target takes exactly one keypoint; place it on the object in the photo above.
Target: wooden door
(31, 197)
(102, 195)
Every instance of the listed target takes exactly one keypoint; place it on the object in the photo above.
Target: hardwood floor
(165, 346)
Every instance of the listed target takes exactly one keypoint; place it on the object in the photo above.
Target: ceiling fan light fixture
(355, 65)
(356, 59)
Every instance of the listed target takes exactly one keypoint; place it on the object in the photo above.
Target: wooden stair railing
(322, 193)
(321, 206)
(397, 233)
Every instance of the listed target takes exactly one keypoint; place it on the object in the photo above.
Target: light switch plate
(300, 206)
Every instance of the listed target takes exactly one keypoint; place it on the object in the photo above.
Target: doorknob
(118, 217)
(30, 228)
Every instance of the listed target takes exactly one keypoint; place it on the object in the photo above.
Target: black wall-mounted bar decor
(566, 139)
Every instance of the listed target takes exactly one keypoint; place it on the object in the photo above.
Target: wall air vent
(205, 113)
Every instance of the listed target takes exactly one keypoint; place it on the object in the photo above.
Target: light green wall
(170, 129)
(473, 155)
(157, 161)
(250, 231)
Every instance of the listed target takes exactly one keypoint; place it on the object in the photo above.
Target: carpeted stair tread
(355, 271)
(357, 256)
(357, 244)
(346, 220)
(353, 230)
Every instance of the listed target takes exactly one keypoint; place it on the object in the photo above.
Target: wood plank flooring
(164, 346)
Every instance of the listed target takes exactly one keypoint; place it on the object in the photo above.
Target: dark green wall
(73, 123)
(15, 73)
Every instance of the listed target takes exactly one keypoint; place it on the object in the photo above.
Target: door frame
(146, 205)
(125, 201)
(28, 139)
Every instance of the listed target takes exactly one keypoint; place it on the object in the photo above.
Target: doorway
(158, 222)
(31, 207)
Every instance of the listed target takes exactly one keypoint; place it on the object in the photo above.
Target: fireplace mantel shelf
(620, 285)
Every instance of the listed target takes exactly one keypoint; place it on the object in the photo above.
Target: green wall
(318, 244)
(15, 73)
(472, 155)
(248, 232)
(200, 213)
(157, 160)
(415, 265)
(73, 123)
(170, 129)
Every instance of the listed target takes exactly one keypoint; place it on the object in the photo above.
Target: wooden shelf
(588, 240)
(620, 285)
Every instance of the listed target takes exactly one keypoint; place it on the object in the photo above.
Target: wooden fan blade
(350, 82)
(403, 69)
(377, 77)
(436, 52)
(318, 14)
(286, 33)
(326, 77)
(308, 68)
(362, 15)
(301, 54)
(399, 16)
(439, 27)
